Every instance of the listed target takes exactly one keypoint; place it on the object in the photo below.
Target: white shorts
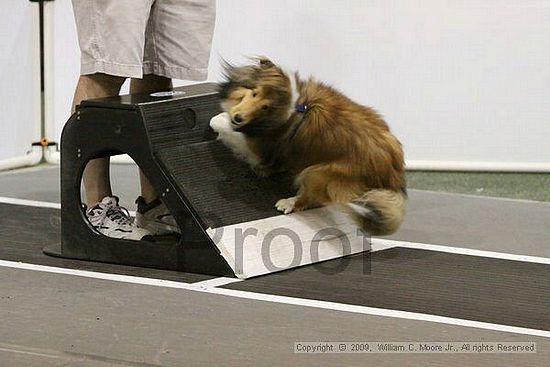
(130, 38)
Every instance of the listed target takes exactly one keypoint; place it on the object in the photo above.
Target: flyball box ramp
(229, 224)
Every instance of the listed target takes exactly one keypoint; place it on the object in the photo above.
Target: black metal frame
(114, 126)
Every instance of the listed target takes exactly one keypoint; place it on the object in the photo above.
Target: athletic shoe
(112, 220)
(155, 217)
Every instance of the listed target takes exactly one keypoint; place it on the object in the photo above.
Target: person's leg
(149, 84)
(111, 36)
(151, 213)
(96, 174)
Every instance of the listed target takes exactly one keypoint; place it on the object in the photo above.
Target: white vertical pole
(36, 92)
(51, 154)
(49, 123)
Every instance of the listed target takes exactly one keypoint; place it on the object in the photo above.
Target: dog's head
(256, 96)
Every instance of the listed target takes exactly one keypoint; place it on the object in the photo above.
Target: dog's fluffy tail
(380, 212)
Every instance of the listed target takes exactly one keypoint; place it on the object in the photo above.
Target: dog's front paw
(221, 123)
(286, 206)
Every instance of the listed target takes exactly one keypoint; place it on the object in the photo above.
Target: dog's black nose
(238, 118)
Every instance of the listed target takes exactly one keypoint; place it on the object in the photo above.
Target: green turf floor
(528, 186)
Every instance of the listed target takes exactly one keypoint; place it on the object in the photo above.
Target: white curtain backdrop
(18, 102)
(457, 80)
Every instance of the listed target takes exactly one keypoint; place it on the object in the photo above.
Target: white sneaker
(155, 217)
(112, 220)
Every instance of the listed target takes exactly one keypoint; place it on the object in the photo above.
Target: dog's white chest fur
(234, 140)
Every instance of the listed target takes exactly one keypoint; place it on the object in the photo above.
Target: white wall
(18, 100)
(460, 80)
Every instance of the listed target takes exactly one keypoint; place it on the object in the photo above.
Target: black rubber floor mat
(467, 287)
(25, 230)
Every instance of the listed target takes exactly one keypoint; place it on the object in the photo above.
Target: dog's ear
(265, 63)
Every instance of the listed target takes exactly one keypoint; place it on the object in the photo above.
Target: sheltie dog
(339, 151)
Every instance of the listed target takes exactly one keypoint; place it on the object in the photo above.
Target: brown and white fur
(339, 151)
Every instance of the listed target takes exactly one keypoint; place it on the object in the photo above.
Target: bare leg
(150, 83)
(96, 174)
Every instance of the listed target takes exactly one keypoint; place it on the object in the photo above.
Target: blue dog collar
(300, 107)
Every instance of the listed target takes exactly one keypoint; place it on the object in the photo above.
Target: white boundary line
(96, 275)
(376, 311)
(217, 282)
(39, 204)
(197, 287)
(473, 196)
(23, 202)
(379, 244)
